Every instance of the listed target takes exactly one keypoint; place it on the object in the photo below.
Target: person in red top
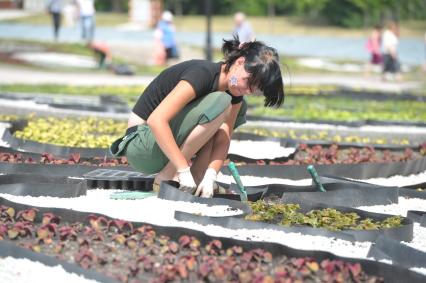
(374, 47)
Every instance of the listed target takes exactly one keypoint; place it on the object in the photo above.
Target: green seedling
(234, 173)
(131, 195)
(315, 178)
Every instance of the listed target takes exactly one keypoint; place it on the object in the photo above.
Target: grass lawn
(128, 93)
(262, 24)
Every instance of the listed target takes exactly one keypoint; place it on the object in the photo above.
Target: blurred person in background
(159, 50)
(242, 28)
(390, 41)
(87, 17)
(167, 31)
(374, 47)
(54, 7)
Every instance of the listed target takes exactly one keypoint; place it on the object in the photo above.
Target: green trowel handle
(237, 179)
(315, 177)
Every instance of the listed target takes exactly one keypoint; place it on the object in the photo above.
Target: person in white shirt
(391, 65)
(87, 18)
(242, 28)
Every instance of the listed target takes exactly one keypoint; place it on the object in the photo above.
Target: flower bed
(84, 132)
(315, 135)
(47, 158)
(119, 250)
(342, 109)
(329, 218)
(304, 155)
(334, 155)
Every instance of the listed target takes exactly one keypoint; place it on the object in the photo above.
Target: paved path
(19, 75)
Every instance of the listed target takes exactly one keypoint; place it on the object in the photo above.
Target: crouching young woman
(181, 126)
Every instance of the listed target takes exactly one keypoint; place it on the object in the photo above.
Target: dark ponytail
(262, 63)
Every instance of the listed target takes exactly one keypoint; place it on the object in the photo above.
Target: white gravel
(57, 59)
(27, 271)
(419, 270)
(264, 149)
(257, 181)
(133, 210)
(419, 241)
(419, 232)
(400, 208)
(2, 142)
(399, 180)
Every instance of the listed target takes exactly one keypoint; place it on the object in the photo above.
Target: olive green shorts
(141, 148)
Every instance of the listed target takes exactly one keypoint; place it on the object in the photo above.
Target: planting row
(304, 155)
(83, 132)
(309, 135)
(342, 109)
(334, 155)
(133, 254)
(100, 133)
(288, 215)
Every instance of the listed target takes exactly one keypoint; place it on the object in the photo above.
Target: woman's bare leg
(201, 161)
(193, 144)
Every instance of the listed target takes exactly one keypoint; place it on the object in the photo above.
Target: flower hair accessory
(233, 80)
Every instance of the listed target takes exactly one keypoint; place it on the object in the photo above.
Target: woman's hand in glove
(186, 181)
(208, 184)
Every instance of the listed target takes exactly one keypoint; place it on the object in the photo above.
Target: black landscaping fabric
(417, 216)
(338, 192)
(53, 169)
(390, 273)
(353, 171)
(40, 185)
(56, 150)
(351, 195)
(412, 193)
(169, 191)
(398, 253)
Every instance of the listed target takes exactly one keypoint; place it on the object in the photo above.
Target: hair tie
(244, 43)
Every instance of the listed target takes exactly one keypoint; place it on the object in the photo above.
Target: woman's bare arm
(159, 120)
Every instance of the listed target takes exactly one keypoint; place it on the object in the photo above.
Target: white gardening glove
(208, 184)
(186, 181)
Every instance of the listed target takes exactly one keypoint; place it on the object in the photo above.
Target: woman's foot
(161, 177)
